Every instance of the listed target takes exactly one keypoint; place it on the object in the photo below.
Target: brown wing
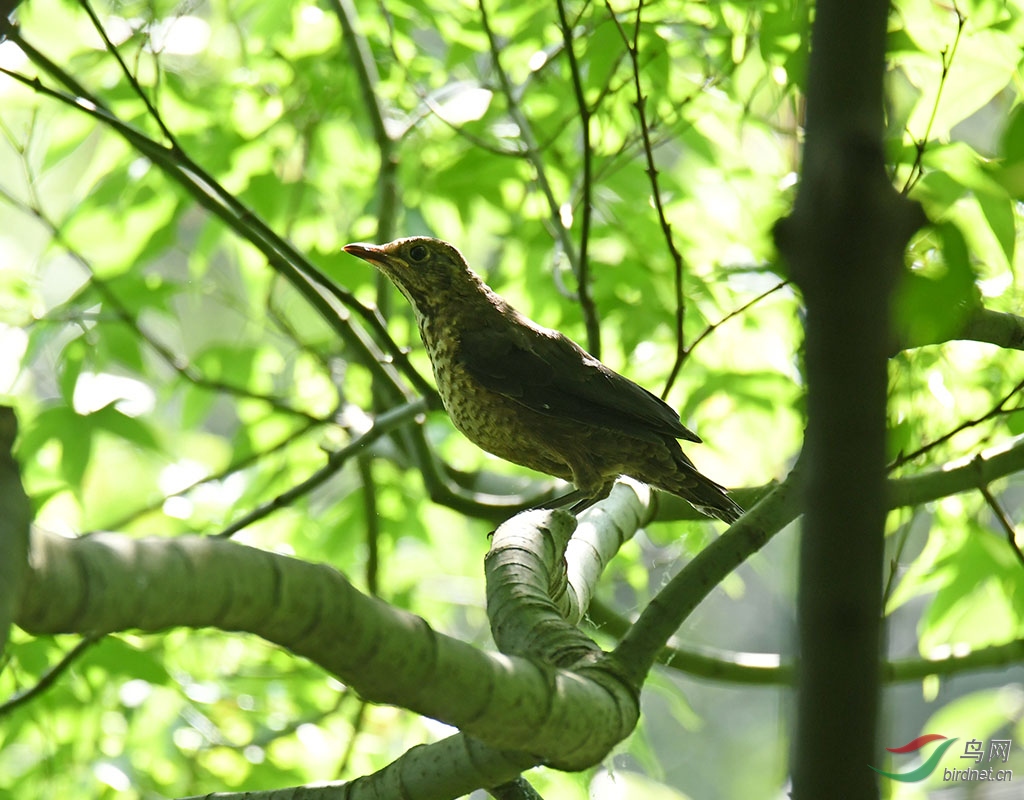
(552, 375)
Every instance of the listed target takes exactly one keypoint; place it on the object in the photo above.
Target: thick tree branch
(543, 567)
(979, 325)
(769, 669)
(947, 480)
(452, 767)
(107, 582)
(639, 648)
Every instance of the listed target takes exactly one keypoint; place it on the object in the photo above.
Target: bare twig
(997, 410)
(587, 306)
(50, 677)
(920, 145)
(384, 423)
(287, 440)
(532, 151)
(735, 313)
(130, 76)
(369, 483)
(357, 727)
(1004, 522)
(367, 77)
(894, 563)
(633, 49)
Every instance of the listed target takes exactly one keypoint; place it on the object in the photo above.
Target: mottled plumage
(532, 396)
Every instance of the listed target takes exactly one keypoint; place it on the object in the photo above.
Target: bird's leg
(589, 498)
(590, 493)
(563, 500)
(581, 498)
(583, 504)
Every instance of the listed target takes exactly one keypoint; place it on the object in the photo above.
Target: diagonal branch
(212, 196)
(385, 423)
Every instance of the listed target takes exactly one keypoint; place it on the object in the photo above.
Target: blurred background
(176, 182)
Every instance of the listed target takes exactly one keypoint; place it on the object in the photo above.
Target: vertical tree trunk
(844, 243)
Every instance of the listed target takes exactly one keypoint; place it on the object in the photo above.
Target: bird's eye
(417, 252)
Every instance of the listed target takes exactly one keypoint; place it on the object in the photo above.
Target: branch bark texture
(108, 582)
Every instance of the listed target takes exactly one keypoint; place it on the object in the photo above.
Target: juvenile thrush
(532, 396)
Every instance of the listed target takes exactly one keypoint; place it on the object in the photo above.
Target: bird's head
(429, 272)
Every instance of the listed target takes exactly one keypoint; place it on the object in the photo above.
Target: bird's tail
(696, 489)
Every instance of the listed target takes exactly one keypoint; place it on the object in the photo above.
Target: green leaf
(119, 658)
(1010, 173)
(938, 191)
(931, 307)
(74, 434)
(71, 362)
(1000, 213)
(983, 65)
(974, 606)
(128, 428)
(1012, 141)
(1015, 422)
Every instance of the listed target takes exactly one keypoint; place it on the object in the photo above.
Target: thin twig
(265, 737)
(365, 465)
(368, 78)
(384, 423)
(50, 677)
(916, 169)
(633, 49)
(997, 410)
(735, 313)
(1004, 521)
(532, 151)
(586, 300)
(894, 563)
(357, 727)
(288, 440)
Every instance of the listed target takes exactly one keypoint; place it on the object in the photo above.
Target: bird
(532, 396)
